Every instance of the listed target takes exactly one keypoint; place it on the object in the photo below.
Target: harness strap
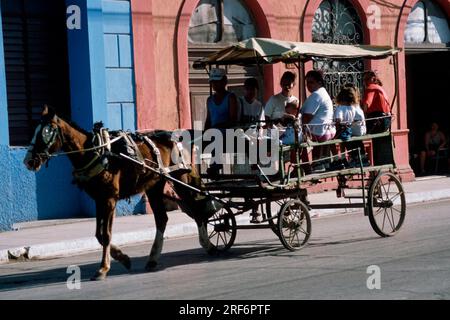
(157, 153)
(180, 165)
(93, 168)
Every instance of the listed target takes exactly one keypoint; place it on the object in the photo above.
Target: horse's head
(46, 140)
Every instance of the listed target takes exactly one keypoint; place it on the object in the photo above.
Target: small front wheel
(222, 229)
(294, 225)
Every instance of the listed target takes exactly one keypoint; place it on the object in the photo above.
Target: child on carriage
(292, 122)
(350, 121)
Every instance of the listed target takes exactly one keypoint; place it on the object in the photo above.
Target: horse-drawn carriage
(112, 166)
(281, 198)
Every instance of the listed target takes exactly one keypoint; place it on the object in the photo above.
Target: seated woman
(434, 140)
(347, 117)
(317, 116)
(375, 103)
(275, 106)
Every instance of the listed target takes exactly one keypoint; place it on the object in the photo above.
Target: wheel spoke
(382, 185)
(399, 211)
(386, 214)
(213, 233)
(394, 224)
(223, 236)
(396, 196)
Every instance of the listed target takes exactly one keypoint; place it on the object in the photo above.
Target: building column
(87, 65)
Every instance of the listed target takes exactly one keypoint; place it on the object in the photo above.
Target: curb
(417, 197)
(4, 256)
(89, 244)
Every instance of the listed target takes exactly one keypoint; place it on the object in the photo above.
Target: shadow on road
(59, 275)
(246, 250)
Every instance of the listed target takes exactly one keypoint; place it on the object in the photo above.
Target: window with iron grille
(338, 22)
(36, 63)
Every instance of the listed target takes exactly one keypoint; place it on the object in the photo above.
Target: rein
(57, 154)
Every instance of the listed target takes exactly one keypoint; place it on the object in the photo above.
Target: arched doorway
(427, 61)
(338, 22)
(215, 24)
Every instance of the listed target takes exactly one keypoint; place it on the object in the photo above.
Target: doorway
(427, 78)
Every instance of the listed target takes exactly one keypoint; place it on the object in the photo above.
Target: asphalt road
(415, 264)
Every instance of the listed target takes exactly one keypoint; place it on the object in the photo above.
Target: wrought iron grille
(338, 22)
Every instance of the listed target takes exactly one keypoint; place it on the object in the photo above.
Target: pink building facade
(164, 90)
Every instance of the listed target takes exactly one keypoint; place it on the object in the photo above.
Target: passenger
(222, 105)
(317, 116)
(250, 109)
(434, 141)
(359, 124)
(375, 104)
(275, 106)
(291, 121)
(345, 116)
(221, 112)
(317, 111)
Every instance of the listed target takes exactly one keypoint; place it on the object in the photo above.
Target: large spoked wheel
(222, 229)
(386, 204)
(294, 224)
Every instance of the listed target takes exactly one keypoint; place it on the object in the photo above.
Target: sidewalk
(53, 238)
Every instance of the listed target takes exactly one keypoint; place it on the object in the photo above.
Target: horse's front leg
(105, 210)
(118, 255)
(155, 198)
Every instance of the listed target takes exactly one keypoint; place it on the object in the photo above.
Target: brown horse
(120, 179)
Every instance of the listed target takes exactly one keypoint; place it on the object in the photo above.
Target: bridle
(48, 134)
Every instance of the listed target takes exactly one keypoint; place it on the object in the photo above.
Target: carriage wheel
(294, 224)
(386, 204)
(222, 229)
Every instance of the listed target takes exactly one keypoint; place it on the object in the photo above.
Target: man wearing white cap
(222, 105)
(222, 111)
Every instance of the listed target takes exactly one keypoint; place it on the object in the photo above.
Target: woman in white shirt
(347, 117)
(275, 106)
(317, 111)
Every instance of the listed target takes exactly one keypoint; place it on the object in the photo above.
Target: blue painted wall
(102, 89)
(4, 131)
(27, 196)
(119, 65)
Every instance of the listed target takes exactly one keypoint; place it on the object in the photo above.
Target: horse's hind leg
(155, 197)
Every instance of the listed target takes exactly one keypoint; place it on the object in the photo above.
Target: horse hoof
(151, 266)
(126, 262)
(98, 276)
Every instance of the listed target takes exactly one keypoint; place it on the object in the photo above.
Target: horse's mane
(76, 126)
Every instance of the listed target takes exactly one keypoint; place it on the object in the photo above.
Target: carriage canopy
(269, 51)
